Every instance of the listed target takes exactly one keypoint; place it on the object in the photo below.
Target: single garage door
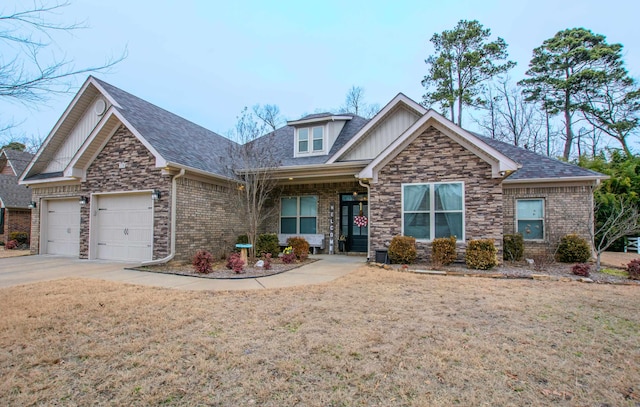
(62, 227)
(124, 227)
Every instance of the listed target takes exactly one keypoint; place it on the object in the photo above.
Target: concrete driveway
(31, 269)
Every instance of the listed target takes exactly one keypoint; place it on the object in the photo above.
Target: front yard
(374, 337)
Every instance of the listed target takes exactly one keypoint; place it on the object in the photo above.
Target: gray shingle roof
(283, 143)
(18, 159)
(176, 139)
(535, 166)
(12, 194)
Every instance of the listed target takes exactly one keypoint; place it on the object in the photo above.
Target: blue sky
(206, 60)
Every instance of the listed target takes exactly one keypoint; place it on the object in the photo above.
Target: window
(530, 218)
(433, 210)
(298, 214)
(313, 136)
(303, 140)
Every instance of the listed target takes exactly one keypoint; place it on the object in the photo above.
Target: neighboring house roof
(13, 195)
(18, 160)
(537, 167)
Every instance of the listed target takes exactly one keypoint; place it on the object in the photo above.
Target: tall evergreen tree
(565, 68)
(463, 61)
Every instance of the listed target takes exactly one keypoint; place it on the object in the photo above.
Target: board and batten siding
(381, 136)
(76, 137)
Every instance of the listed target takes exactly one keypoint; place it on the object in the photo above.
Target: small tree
(253, 162)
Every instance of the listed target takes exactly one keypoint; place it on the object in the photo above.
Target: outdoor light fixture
(32, 205)
(156, 194)
(83, 200)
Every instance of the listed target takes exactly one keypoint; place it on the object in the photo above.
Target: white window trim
(432, 211)
(310, 151)
(542, 217)
(298, 216)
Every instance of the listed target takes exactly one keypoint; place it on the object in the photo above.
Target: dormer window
(311, 139)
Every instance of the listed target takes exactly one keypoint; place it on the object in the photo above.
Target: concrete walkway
(31, 269)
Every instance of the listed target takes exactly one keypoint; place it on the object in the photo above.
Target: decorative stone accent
(106, 175)
(434, 157)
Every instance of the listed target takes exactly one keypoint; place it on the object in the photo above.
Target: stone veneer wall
(104, 175)
(206, 219)
(567, 209)
(15, 220)
(434, 157)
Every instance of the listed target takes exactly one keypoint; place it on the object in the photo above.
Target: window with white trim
(310, 139)
(433, 210)
(298, 214)
(530, 218)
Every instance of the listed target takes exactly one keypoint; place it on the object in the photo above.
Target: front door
(354, 221)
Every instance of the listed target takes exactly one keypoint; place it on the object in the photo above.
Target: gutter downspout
(369, 228)
(174, 199)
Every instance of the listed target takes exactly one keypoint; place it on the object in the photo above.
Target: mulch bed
(550, 271)
(220, 271)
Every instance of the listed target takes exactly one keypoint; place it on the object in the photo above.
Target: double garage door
(122, 227)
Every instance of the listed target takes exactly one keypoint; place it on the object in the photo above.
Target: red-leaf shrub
(633, 268)
(581, 269)
(202, 262)
(11, 244)
(288, 258)
(267, 261)
(235, 263)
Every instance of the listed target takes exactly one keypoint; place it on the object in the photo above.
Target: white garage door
(62, 227)
(124, 227)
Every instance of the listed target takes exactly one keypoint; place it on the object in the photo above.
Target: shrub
(513, 246)
(11, 244)
(267, 261)
(267, 243)
(581, 269)
(300, 246)
(288, 258)
(20, 237)
(235, 263)
(443, 250)
(633, 268)
(481, 254)
(402, 250)
(202, 262)
(573, 249)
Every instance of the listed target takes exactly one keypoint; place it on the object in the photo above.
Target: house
(119, 178)
(15, 215)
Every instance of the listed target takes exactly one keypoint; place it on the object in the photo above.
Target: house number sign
(331, 227)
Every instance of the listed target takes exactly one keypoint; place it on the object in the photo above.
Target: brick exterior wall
(15, 220)
(327, 193)
(434, 157)
(104, 175)
(206, 219)
(567, 209)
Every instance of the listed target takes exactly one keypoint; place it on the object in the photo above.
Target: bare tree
(253, 162)
(355, 103)
(270, 115)
(27, 32)
(614, 220)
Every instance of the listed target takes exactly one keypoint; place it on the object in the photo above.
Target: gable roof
(18, 160)
(537, 167)
(172, 139)
(282, 144)
(500, 163)
(177, 140)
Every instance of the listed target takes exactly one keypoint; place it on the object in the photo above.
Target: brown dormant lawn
(374, 337)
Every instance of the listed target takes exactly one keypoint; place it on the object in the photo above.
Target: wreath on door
(361, 221)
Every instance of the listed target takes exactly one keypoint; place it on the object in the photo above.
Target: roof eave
(321, 119)
(596, 178)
